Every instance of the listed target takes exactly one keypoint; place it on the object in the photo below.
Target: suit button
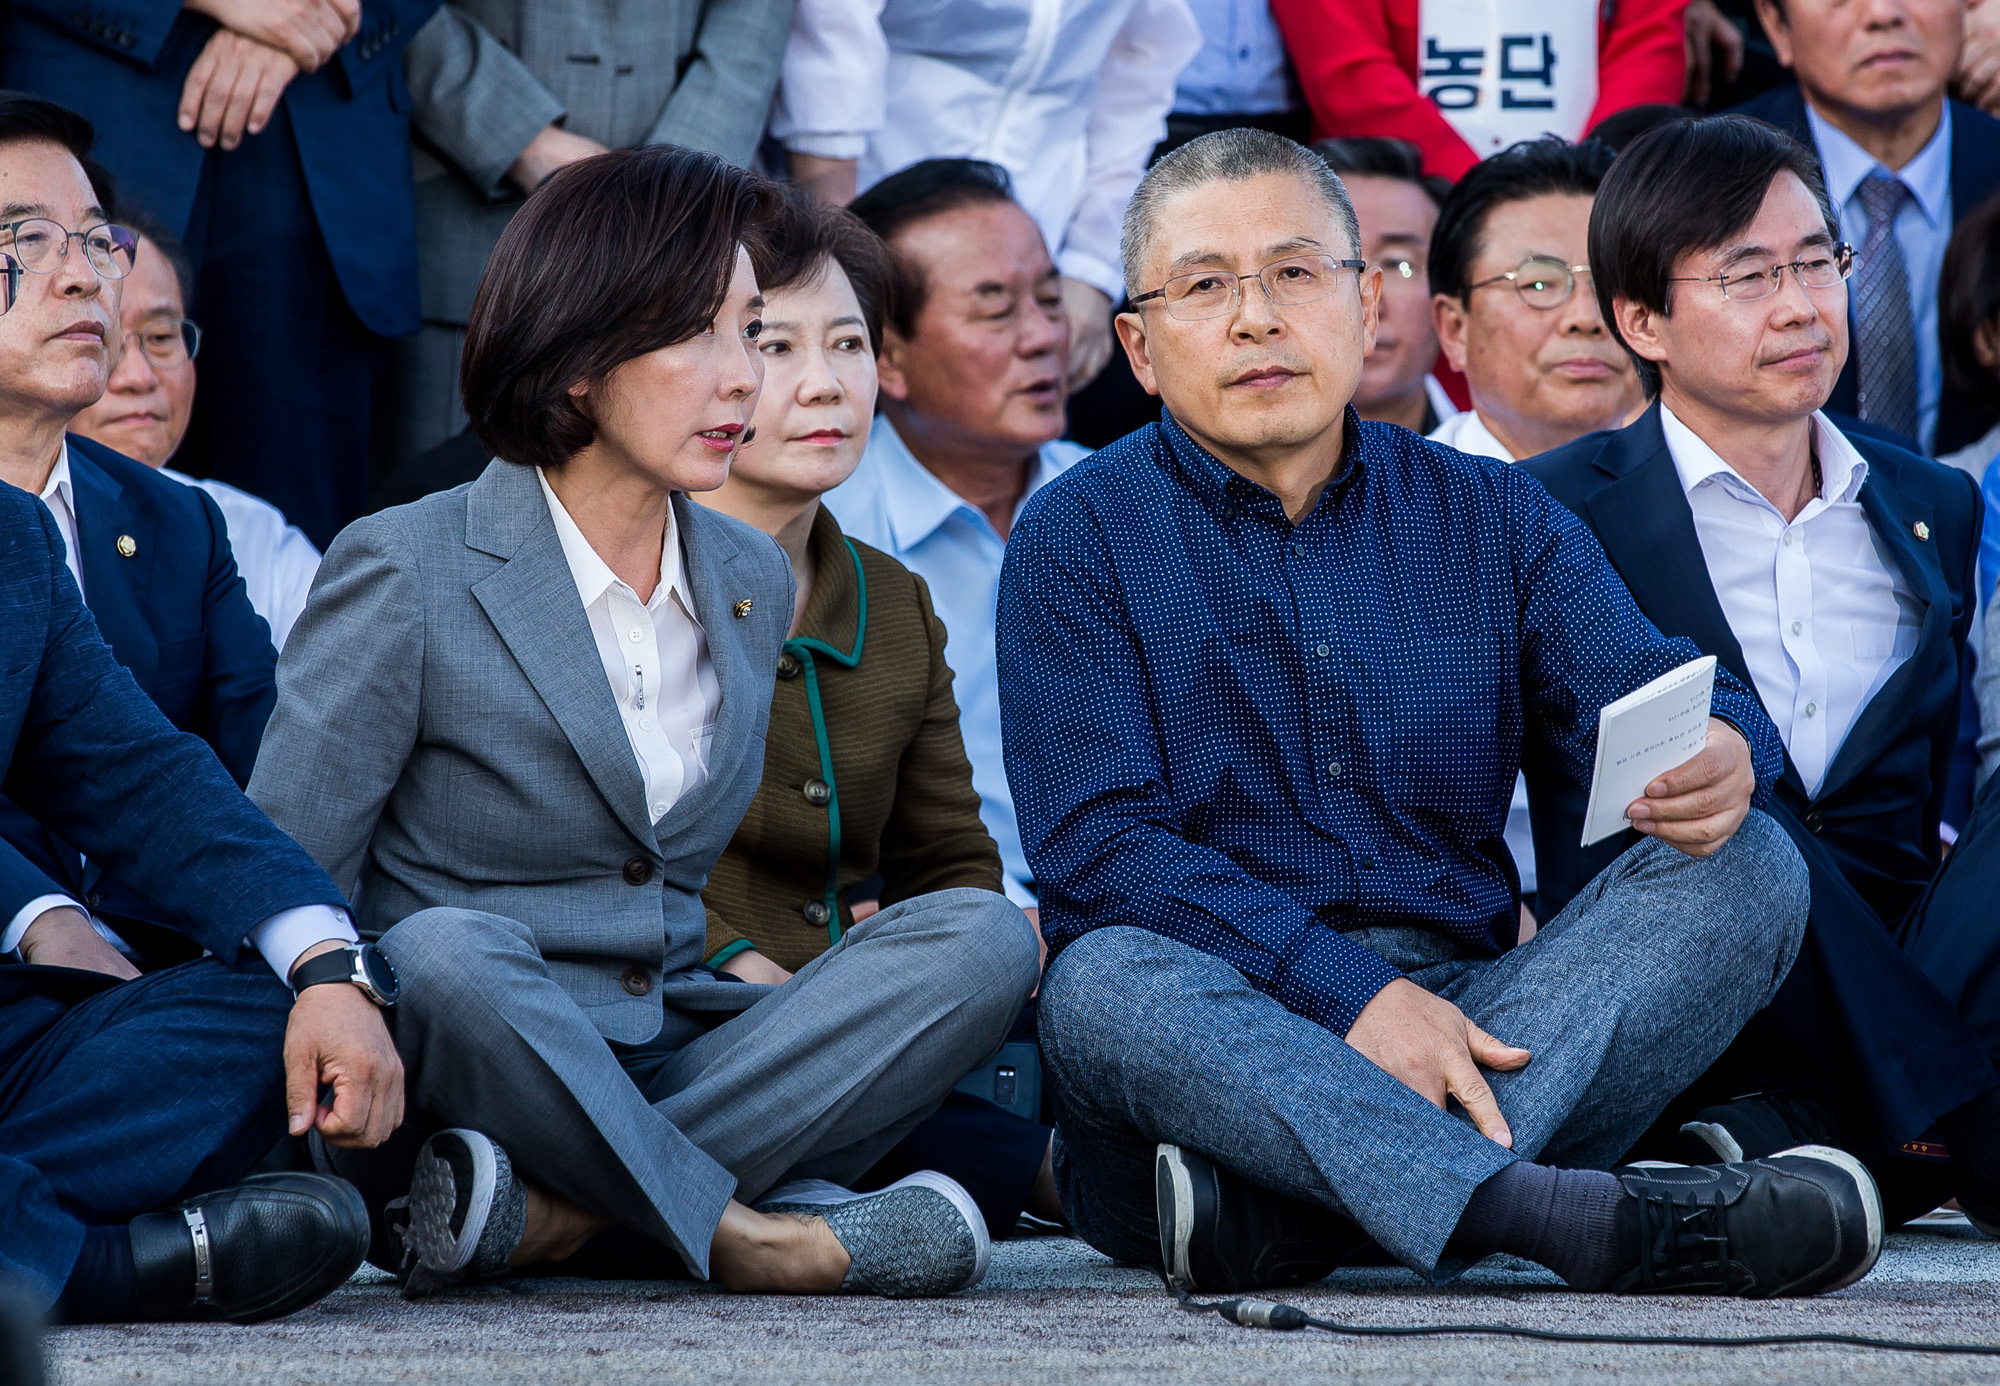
(637, 981)
(817, 792)
(638, 871)
(816, 912)
(788, 665)
(94, 899)
(1815, 820)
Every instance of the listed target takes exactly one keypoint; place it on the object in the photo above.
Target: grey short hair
(1225, 156)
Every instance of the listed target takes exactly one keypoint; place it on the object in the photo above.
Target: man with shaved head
(1266, 672)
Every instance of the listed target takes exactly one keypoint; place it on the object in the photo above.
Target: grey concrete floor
(1053, 1311)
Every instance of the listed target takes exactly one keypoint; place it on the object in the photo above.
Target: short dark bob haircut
(1549, 166)
(928, 188)
(1379, 156)
(1681, 188)
(613, 257)
(1969, 297)
(805, 235)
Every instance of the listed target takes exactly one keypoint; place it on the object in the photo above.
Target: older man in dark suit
(1834, 574)
(272, 136)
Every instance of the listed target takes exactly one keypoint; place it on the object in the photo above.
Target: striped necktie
(1887, 343)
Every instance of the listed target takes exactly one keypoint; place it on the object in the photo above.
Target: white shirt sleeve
(1135, 91)
(283, 937)
(833, 85)
(294, 562)
(29, 913)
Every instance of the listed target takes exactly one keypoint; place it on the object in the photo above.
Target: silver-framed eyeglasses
(167, 342)
(1542, 281)
(1288, 282)
(40, 245)
(1821, 269)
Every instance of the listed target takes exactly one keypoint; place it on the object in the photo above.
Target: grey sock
(1564, 1219)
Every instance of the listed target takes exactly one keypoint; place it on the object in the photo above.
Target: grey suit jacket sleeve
(724, 96)
(350, 685)
(474, 102)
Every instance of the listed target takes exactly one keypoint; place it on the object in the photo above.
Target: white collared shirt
(898, 505)
(59, 495)
(1922, 229)
(1822, 614)
(275, 558)
(655, 657)
(1467, 432)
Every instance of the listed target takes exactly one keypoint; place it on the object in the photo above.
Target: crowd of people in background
(840, 524)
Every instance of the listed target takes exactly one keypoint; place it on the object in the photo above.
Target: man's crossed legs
(1182, 1092)
(540, 1138)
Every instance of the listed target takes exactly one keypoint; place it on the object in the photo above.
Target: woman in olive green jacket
(865, 774)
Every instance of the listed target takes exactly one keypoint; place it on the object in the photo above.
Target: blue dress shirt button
(1323, 651)
(1333, 768)
(1298, 551)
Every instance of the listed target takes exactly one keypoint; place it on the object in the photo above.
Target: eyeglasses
(1541, 282)
(40, 245)
(1287, 283)
(10, 282)
(167, 342)
(1818, 271)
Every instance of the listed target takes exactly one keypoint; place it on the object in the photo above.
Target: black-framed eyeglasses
(1288, 282)
(167, 342)
(1541, 281)
(1821, 270)
(40, 245)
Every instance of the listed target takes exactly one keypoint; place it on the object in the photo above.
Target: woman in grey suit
(518, 722)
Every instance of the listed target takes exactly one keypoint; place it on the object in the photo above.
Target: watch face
(381, 976)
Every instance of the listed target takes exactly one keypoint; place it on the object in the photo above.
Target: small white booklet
(1644, 734)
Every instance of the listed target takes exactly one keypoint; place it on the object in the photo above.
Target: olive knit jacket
(864, 765)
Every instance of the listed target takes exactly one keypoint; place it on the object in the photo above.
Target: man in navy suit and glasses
(131, 1108)
(1833, 574)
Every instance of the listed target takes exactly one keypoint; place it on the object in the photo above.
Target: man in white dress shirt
(144, 412)
(1833, 572)
(973, 372)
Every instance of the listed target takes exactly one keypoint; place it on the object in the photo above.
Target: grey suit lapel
(531, 600)
(719, 579)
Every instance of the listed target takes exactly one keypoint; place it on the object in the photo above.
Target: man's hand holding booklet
(1659, 770)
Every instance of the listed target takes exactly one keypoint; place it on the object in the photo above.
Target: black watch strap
(343, 965)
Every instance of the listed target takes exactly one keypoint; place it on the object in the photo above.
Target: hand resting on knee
(1427, 1044)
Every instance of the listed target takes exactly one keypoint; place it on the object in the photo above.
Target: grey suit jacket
(445, 735)
(486, 75)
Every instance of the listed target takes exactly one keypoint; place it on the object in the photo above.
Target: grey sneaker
(464, 1216)
(919, 1237)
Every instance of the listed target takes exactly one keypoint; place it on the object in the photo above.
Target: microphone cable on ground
(1264, 1313)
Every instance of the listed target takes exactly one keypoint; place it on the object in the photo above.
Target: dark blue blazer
(123, 65)
(1875, 819)
(1975, 176)
(177, 616)
(91, 758)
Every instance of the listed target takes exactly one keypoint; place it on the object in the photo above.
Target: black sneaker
(1221, 1234)
(465, 1214)
(262, 1249)
(1801, 1222)
(1758, 1125)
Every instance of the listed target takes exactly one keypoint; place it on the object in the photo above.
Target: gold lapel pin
(128, 547)
(1921, 530)
(743, 607)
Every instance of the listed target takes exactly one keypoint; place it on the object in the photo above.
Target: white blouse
(1069, 96)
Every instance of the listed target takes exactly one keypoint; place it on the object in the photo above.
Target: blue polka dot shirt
(1253, 737)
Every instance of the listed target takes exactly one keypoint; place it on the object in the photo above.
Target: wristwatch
(363, 965)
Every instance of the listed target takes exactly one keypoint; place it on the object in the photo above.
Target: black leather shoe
(1762, 1124)
(264, 1248)
(1221, 1234)
(1801, 1222)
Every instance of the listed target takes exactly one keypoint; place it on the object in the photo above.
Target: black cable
(1264, 1313)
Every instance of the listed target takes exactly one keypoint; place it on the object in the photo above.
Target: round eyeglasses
(1542, 282)
(1212, 293)
(167, 342)
(40, 245)
(1821, 269)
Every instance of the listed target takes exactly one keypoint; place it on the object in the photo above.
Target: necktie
(1887, 337)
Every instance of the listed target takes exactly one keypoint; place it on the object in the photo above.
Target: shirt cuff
(829, 144)
(283, 937)
(1330, 978)
(1078, 264)
(29, 913)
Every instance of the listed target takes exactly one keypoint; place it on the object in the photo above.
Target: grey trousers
(815, 1078)
(1624, 998)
